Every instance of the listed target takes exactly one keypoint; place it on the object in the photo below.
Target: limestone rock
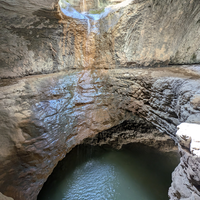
(136, 130)
(44, 116)
(3, 197)
(189, 137)
(186, 177)
(37, 38)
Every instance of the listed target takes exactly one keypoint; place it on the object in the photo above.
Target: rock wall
(186, 177)
(61, 83)
(3, 197)
(44, 116)
(154, 33)
(134, 131)
(36, 38)
(94, 6)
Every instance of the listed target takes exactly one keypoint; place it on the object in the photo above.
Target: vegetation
(97, 11)
(194, 57)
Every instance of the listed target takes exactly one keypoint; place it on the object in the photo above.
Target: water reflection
(135, 172)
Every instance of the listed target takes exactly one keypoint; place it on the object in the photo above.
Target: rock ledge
(186, 177)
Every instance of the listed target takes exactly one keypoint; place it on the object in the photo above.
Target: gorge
(66, 78)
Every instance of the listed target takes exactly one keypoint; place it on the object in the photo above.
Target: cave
(100, 74)
(100, 172)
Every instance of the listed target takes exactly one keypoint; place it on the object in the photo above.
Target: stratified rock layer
(134, 131)
(37, 39)
(44, 116)
(186, 177)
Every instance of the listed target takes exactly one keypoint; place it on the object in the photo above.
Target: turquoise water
(100, 173)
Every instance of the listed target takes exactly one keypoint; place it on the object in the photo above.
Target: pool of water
(101, 173)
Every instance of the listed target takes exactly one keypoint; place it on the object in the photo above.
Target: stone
(64, 80)
(189, 137)
(134, 33)
(134, 131)
(186, 177)
(3, 197)
(44, 116)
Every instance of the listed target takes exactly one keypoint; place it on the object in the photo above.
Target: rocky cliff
(36, 38)
(186, 176)
(62, 82)
(44, 116)
(92, 6)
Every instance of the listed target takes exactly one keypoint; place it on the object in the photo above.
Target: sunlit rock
(3, 197)
(189, 137)
(42, 37)
(186, 177)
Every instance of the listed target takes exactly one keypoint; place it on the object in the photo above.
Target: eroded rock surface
(134, 131)
(3, 197)
(37, 38)
(186, 177)
(44, 116)
(62, 82)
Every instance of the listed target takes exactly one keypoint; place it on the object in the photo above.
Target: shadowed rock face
(184, 185)
(136, 130)
(84, 82)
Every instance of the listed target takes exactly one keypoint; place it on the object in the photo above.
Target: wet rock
(43, 117)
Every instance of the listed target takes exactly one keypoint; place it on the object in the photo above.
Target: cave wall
(84, 5)
(36, 38)
(44, 116)
(186, 178)
(60, 85)
(153, 33)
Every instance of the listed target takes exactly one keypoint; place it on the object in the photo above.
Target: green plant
(194, 57)
(98, 11)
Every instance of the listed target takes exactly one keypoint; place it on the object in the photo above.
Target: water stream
(97, 173)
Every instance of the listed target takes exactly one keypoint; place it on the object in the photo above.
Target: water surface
(101, 173)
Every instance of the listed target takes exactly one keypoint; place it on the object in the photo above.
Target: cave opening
(102, 172)
(132, 160)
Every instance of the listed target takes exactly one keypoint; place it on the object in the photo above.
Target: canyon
(132, 76)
